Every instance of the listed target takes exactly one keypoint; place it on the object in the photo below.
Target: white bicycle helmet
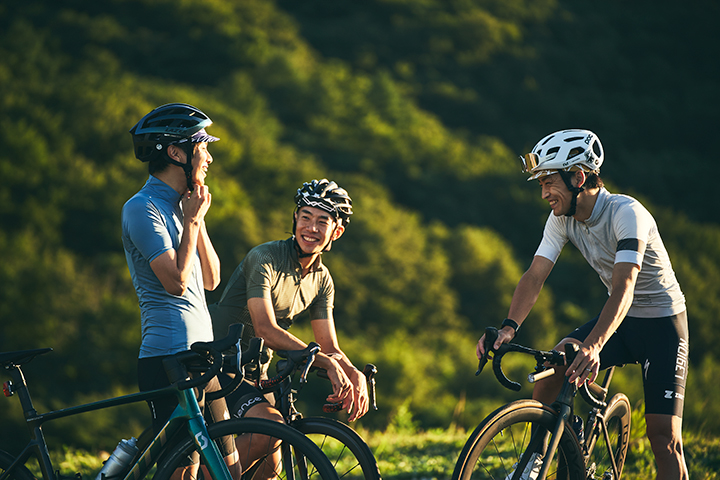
(566, 150)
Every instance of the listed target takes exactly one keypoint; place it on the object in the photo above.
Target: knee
(266, 411)
(665, 440)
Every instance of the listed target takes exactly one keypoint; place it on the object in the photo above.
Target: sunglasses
(529, 161)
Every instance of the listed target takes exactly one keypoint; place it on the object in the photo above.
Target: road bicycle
(350, 455)
(527, 439)
(184, 433)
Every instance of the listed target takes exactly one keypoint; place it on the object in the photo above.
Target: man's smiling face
(556, 193)
(314, 230)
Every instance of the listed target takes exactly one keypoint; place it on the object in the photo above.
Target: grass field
(428, 455)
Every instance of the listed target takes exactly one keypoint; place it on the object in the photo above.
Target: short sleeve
(554, 239)
(633, 226)
(259, 271)
(322, 307)
(145, 227)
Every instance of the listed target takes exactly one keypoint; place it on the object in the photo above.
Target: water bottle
(119, 460)
(578, 427)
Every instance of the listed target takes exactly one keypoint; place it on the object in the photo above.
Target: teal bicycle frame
(187, 412)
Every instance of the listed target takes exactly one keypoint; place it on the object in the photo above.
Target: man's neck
(173, 176)
(585, 203)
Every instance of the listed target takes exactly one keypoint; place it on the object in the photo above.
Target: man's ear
(580, 178)
(176, 153)
(339, 230)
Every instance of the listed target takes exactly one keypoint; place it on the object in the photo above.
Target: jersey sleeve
(259, 273)
(145, 227)
(554, 239)
(633, 225)
(322, 306)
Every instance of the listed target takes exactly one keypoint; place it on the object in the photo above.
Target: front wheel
(305, 462)
(20, 472)
(495, 449)
(617, 420)
(347, 451)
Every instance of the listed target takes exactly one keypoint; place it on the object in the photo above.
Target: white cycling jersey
(620, 229)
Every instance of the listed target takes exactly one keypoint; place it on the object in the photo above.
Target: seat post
(20, 387)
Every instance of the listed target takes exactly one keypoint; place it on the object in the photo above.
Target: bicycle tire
(496, 445)
(350, 455)
(307, 463)
(617, 418)
(19, 473)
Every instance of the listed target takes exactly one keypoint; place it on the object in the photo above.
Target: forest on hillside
(419, 108)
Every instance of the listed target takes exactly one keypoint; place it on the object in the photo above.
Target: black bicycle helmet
(328, 196)
(169, 124)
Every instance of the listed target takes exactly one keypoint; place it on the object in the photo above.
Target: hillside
(418, 108)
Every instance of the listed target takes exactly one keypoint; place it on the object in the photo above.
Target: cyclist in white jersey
(644, 319)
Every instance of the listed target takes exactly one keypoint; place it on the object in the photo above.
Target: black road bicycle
(527, 439)
(184, 433)
(347, 451)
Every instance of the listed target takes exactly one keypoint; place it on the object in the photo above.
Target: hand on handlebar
(503, 336)
(343, 388)
(585, 366)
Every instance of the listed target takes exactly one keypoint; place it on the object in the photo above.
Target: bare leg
(547, 390)
(665, 435)
(261, 447)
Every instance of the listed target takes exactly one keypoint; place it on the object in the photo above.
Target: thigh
(152, 376)
(217, 411)
(665, 365)
(245, 398)
(615, 352)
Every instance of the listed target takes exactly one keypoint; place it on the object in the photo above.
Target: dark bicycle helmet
(328, 196)
(169, 124)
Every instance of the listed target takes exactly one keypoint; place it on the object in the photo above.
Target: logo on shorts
(245, 406)
(682, 359)
(669, 394)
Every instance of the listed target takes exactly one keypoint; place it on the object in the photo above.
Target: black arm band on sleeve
(512, 324)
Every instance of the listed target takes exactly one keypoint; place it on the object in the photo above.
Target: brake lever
(491, 335)
(308, 362)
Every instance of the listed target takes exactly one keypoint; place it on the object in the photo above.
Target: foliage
(418, 108)
(411, 453)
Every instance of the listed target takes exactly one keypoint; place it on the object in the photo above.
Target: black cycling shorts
(245, 397)
(661, 346)
(152, 375)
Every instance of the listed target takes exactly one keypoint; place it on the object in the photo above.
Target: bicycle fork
(538, 439)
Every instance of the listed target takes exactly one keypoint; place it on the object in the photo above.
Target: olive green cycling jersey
(272, 271)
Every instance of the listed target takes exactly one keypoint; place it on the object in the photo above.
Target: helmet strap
(575, 191)
(187, 167)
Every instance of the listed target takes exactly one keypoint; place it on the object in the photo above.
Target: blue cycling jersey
(152, 224)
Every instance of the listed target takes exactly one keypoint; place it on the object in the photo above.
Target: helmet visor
(529, 161)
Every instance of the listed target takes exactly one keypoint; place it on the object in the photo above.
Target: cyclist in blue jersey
(169, 253)
(644, 319)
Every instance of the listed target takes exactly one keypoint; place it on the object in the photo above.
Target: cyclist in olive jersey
(279, 280)
(644, 319)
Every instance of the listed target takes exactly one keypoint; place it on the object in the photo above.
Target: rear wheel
(495, 449)
(347, 451)
(303, 461)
